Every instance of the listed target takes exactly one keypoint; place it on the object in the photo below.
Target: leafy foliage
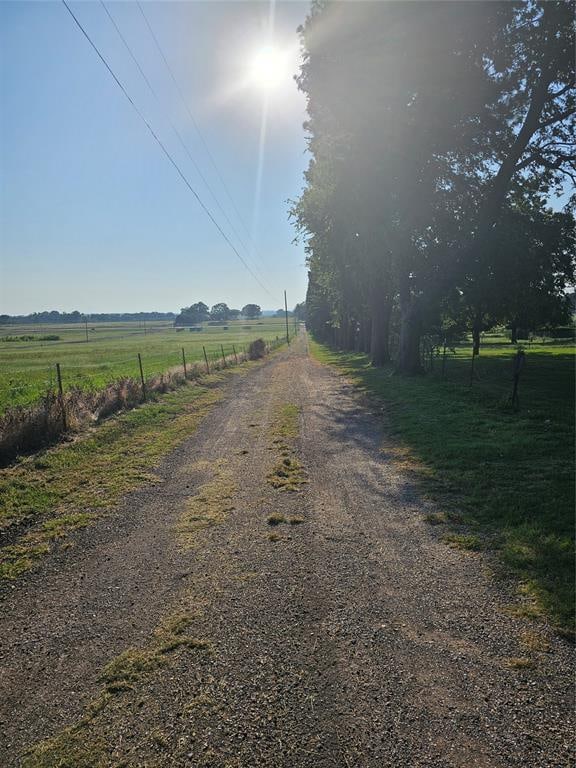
(438, 132)
(251, 311)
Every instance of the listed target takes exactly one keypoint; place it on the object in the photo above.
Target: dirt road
(345, 635)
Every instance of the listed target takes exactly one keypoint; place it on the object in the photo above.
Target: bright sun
(269, 67)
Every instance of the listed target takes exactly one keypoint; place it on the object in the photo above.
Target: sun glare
(269, 67)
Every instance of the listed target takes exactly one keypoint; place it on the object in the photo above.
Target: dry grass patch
(87, 743)
(465, 541)
(209, 507)
(130, 666)
(436, 518)
(534, 642)
(287, 475)
(275, 519)
(69, 749)
(519, 662)
(286, 422)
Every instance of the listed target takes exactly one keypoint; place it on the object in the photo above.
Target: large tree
(425, 120)
(220, 312)
(251, 311)
(193, 315)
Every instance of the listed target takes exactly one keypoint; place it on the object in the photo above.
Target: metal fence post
(223, 356)
(235, 355)
(206, 360)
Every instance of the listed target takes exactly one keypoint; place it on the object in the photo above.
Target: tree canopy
(199, 313)
(438, 133)
(251, 311)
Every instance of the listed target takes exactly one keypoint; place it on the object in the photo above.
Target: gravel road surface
(348, 634)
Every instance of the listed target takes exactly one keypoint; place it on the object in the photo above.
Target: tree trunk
(367, 335)
(380, 336)
(514, 334)
(409, 362)
(364, 334)
(475, 340)
(344, 332)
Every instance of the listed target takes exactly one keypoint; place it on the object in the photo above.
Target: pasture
(28, 367)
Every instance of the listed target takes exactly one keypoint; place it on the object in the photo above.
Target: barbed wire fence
(455, 362)
(68, 397)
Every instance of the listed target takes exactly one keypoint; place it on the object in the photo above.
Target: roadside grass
(46, 496)
(508, 476)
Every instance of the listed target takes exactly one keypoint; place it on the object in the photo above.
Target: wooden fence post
(206, 360)
(61, 397)
(235, 355)
(519, 360)
(184, 363)
(142, 377)
(472, 368)
(223, 356)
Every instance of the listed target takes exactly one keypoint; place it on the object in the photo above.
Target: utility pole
(286, 314)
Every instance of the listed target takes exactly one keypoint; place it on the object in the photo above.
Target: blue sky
(94, 217)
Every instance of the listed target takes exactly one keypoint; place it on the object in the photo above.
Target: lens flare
(269, 67)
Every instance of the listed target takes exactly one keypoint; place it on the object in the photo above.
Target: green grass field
(27, 368)
(507, 476)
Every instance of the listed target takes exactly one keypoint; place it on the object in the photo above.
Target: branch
(537, 157)
(562, 91)
(557, 118)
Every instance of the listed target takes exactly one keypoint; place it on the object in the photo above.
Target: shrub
(256, 349)
(48, 337)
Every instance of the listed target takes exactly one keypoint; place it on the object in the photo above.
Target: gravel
(356, 639)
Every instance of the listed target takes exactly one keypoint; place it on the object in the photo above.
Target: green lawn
(509, 476)
(27, 368)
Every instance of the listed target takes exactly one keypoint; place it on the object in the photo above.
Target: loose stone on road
(277, 599)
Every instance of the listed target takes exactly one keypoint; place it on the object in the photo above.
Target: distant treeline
(77, 317)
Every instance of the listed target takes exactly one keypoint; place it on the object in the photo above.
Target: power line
(176, 131)
(197, 129)
(162, 147)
